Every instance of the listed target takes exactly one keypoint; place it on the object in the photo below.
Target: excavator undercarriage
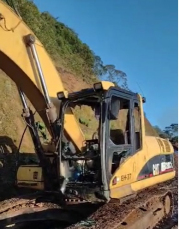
(144, 210)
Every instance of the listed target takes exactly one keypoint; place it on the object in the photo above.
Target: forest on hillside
(65, 47)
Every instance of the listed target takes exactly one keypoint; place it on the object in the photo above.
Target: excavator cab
(89, 170)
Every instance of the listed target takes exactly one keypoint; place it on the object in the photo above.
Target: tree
(117, 76)
(110, 73)
(172, 130)
(98, 67)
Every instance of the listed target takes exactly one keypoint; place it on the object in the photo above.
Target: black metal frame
(110, 147)
(107, 148)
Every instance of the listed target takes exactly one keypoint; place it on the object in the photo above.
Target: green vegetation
(64, 46)
(88, 122)
(170, 132)
(11, 123)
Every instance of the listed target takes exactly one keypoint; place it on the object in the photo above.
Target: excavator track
(145, 211)
(137, 213)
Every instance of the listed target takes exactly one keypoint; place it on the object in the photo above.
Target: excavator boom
(19, 62)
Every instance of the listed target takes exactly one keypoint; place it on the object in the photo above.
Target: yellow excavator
(116, 162)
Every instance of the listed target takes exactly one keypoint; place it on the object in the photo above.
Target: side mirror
(143, 99)
(114, 108)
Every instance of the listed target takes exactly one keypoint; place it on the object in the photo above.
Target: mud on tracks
(105, 217)
(109, 215)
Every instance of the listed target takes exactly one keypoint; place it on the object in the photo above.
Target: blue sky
(140, 37)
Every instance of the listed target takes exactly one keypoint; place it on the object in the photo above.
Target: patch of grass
(87, 121)
(11, 122)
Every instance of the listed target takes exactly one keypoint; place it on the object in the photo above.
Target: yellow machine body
(16, 62)
(127, 176)
(30, 177)
(131, 177)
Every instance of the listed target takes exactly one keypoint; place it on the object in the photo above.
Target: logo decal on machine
(157, 165)
(156, 169)
(166, 166)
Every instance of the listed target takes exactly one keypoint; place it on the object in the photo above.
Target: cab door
(119, 128)
(121, 142)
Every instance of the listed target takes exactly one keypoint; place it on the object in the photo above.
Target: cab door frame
(110, 147)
